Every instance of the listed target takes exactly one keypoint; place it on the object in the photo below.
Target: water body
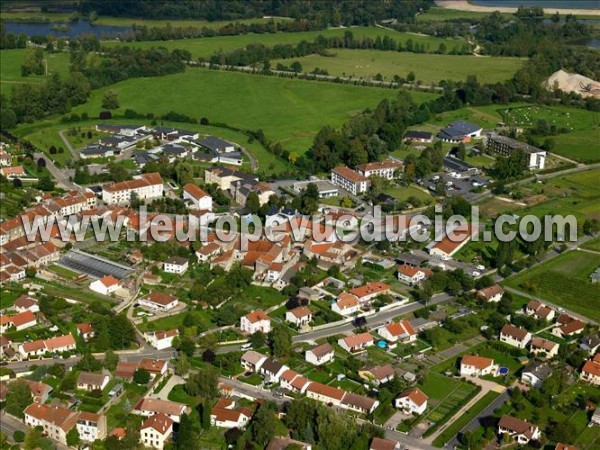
(558, 4)
(75, 29)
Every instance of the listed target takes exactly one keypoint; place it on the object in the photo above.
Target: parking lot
(92, 265)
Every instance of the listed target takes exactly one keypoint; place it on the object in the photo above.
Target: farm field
(427, 68)
(289, 111)
(10, 67)
(205, 47)
(564, 281)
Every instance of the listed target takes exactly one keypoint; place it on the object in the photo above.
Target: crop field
(428, 68)
(205, 47)
(564, 281)
(289, 111)
(10, 67)
(581, 143)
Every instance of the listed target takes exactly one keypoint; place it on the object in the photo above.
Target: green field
(580, 143)
(427, 68)
(205, 47)
(594, 245)
(289, 111)
(437, 13)
(564, 281)
(10, 67)
(403, 193)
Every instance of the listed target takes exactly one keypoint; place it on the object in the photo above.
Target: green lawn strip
(594, 245)
(465, 419)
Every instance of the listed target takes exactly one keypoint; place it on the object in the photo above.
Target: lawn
(428, 68)
(289, 111)
(594, 245)
(201, 318)
(404, 193)
(465, 419)
(205, 47)
(178, 394)
(10, 68)
(564, 281)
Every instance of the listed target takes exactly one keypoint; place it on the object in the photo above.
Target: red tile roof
(194, 191)
(159, 422)
(370, 289)
(257, 315)
(415, 395)
(349, 174)
(327, 391)
(478, 362)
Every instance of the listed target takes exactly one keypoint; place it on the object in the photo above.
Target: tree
(41, 163)
(34, 439)
(110, 100)
(141, 376)
(182, 365)
(45, 183)
(17, 183)
(111, 360)
(18, 436)
(203, 383)
(253, 202)
(189, 431)
(281, 340)
(262, 427)
(73, 437)
(18, 398)
(209, 356)
(296, 67)
(258, 340)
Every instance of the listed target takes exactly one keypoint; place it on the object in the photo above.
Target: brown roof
(415, 395)
(299, 382)
(152, 365)
(516, 425)
(515, 332)
(561, 446)
(543, 343)
(358, 339)
(257, 315)
(158, 406)
(159, 298)
(233, 415)
(252, 357)
(387, 164)
(358, 401)
(383, 444)
(381, 372)
(289, 375)
(327, 391)
(159, 422)
(460, 235)
(477, 361)
(349, 174)
(56, 415)
(572, 327)
(194, 191)
(534, 305)
(400, 328)
(109, 281)
(321, 350)
(22, 318)
(85, 328)
(491, 291)
(346, 300)
(166, 334)
(592, 368)
(301, 311)
(126, 369)
(59, 342)
(24, 301)
(89, 378)
(409, 271)
(147, 179)
(90, 417)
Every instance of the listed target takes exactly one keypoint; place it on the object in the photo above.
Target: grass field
(594, 245)
(564, 281)
(427, 68)
(289, 111)
(10, 67)
(205, 47)
(403, 193)
(580, 143)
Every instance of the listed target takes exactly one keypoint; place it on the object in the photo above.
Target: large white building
(350, 180)
(105, 285)
(412, 401)
(148, 186)
(476, 366)
(156, 430)
(199, 199)
(255, 321)
(91, 426)
(161, 339)
(157, 301)
(55, 421)
(515, 336)
(388, 169)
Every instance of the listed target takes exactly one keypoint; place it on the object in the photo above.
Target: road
(62, 179)
(254, 391)
(9, 425)
(74, 153)
(476, 422)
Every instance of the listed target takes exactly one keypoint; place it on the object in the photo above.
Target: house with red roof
(448, 245)
(412, 275)
(147, 186)
(356, 342)
(58, 344)
(56, 421)
(590, 371)
(476, 366)
(350, 180)
(491, 294)
(370, 291)
(156, 431)
(225, 415)
(197, 197)
(254, 321)
(568, 327)
(161, 339)
(299, 316)
(13, 172)
(158, 301)
(105, 285)
(401, 332)
(412, 401)
(520, 430)
(26, 303)
(85, 330)
(346, 304)
(515, 336)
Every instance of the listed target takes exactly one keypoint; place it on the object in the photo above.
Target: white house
(515, 336)
(161, 339)
(56, 344)
(176, 265)
(255, 321)
(89, 381)
(26, 303)
(20, 321)
(388, 169)
(590, 372)
(91, 426)
(356, 342)
(225, 415)
(540, 346)
(146, 186)
(198, 198)
(491, 294)
(346, 304)
(476, 366)
(398, 332)
(520, 430)
(536, 373)
(54, 420)
(539, 311)
(319, 355)
(412, 401)
(86, 331)
(299, 316)
(325, 394)
(411, 274)
(272, 370)
(156, 430)
(157, 301)
(150, 406)
(105, 285)
(252, 360)
(349, 180)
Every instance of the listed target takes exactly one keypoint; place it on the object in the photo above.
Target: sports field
(564, 281)
(290, 111)
(10, 67)
(427, 68)
(205, 47)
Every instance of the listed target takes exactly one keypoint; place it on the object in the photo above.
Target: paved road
(254, 391)
(62, 179)
(74, 153)
(476, 422)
